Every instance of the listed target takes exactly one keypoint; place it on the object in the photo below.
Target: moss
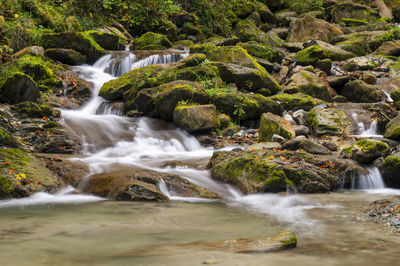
(14, 162)
(350, 22)
(50, 125)
(296, 101)
(40, 69)
(309, 56)
(358, 46)
(270, 125)
(246, 30)
(150, 39)
(290, 243)
(31, 109)
(8, 140)
(262, 51)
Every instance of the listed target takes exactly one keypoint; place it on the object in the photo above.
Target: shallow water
(128, 233)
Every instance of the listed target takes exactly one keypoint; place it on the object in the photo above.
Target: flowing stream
(37, 230)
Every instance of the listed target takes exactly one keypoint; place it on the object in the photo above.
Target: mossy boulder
(309, 56)
(151, 41)
(361, 63)
(19, 88)
(106, 40)
(360, 92)
(309, 83)
(66, 56)
(391, 48)
(247, 30)
(195, 118)
(170, 94)
(30, 50)
(310, 28)
(268, 171)
(34, 110)
(395, 95)
(349, 10)
(333, 52)
(81, 42)
(390, 171)
(296, 101)
(262, 51)
(393, 129)
(271, 124)
(328, 121)
(22, 174)
(244, 106)
(8, 140)
(366, 151)
(357, 45)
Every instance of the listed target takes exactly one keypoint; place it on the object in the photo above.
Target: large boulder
(296, 101)
(271, 124)
(269, 171)
(19, 88)
(106, 40)
(262, 51)
(196, 118)
(66, 56)
(349, 10)
(31, 109)
(310, 28)
(391, 48)
(308, 83)
(334, 52)
(366, 151)
(309, 56)
(22, 174)
(328, 121)
(151, 41)
(390, 170)
(244, 106)
(81, 42)
(360, 92)
(393, 129)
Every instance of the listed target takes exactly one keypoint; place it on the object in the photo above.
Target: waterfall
(370, 132)
(372, 180)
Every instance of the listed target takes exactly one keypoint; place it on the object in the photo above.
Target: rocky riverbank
(308, 90)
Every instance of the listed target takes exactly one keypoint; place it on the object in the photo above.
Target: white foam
(41, 198)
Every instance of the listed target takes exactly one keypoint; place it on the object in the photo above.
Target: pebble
(388, 213)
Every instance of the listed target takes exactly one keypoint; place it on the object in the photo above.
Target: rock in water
(285, 239)
(271, 124)
(328, 121)
(19, 88)
(366, 151)
(196, 118)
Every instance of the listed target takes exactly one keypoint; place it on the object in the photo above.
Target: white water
(111, 141)
(63, 196)
(371, 132)
(373, 183)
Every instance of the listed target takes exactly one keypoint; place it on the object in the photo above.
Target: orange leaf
(38, 182)
(7, 163)
(253, 150)
(11, 170)
(62, 147)
(45, 118)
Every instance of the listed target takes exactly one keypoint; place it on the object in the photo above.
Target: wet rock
(151, 41)
(283, 240)
(333, 52)
(245, 106)
(24, 174)
(390, 170)
(106, 40)
(349, 10)
(300, 116)
(393, 129)
(301, 130)
(19, 88)
(31, 50)
(328, 121)
(31, 109)
(360, 92)
(271, 124)
(391, 48)
(313, 147)
(269, 171)
(366, 151)
(78, 41)
(308, 83)
(324, 65)
(293, 144)
(310, 28)
(309, 56)
(337, 82)
(263, 146)
(296, 101)
(66, 56)
(196, 118)
(247, 78)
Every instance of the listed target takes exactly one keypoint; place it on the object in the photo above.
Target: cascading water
(373, 182)
(371, 132)
(112, 141)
